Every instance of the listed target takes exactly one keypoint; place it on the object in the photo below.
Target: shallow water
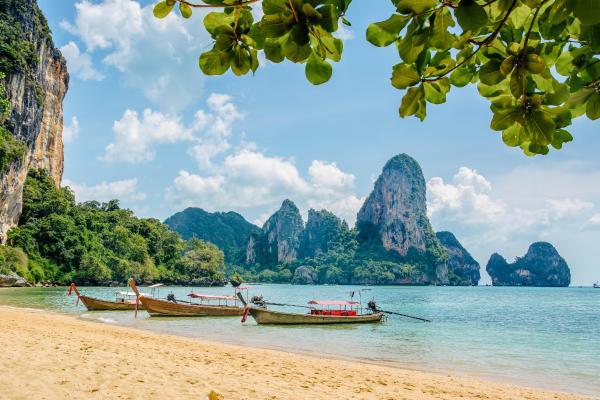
(542, 337)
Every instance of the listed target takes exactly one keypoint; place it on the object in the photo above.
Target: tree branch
(240, 4)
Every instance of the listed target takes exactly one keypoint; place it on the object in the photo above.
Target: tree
(534, 60)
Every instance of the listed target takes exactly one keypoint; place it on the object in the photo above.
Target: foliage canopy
(536, 61)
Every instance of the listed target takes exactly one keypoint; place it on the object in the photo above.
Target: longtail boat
(124, 301)
(210, 305)
(345, 314)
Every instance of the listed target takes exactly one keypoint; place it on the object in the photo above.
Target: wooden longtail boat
(159, 307)
(315, 316)
(123, 301)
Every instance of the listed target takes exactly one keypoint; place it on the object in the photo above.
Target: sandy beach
(54, 356)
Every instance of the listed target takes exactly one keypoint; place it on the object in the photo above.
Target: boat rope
(373, 307)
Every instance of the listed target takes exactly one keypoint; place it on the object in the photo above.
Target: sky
(142, 124)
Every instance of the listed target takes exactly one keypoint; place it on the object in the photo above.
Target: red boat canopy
(332, 303)
(210, 297)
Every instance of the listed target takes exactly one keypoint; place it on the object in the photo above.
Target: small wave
(99, 319)
(107, 320)
(37, 310)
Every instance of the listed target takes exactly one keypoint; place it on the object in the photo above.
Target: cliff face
(392, 212)
(322, 229)
(35, 92)
(394, 217)
(541, 266)
(279, 241)
(463, 270)
(228, 230)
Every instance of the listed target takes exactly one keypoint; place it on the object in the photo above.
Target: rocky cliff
(394, 216)
(322, 229)
(35, 83)
(463, 270)
(392, 212)
(279, 240)
(228, 230)
(541, 266)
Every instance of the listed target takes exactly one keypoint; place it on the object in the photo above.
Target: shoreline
(59, 354)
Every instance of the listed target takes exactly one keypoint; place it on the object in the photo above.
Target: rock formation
(463, 270)
(228, 230)
(322, 229)
(394, 216)
(11, 279)
(279, 240)
(305, 275)
(541, 266)
(395, 213)
(35, 92)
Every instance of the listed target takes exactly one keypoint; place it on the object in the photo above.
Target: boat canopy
(332, 303)
(156, 285)
(210, 297)
(132, 294)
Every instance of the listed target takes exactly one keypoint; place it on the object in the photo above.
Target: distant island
(541, 266)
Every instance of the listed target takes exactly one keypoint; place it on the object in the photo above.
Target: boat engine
(371, 305)
(171, 297)
(258, 300)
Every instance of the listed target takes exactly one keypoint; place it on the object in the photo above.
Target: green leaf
(386, 32)
(185, 10)
(462, 76)
(592, 109)
(514, 135)
(215, 62)
(273, 50)
(241, 61)
(162, 9)
(214, 20)
(442, 39)
(435, 91)
(588, 11)
(507, 65)
(534, 64)
(317, 70)
(470, 15)
(504, 118)
(296, 53)
(273, 26)
(275, 6)
(404, 75)
(540, 127)
(490, 74)
(413, 103)
(415, 6)
(329, 22)
(560, 137)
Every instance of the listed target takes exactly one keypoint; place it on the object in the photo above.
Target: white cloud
(80, 64)
(562, 208)
(136, 135)
(248, 179)
(156, 56)
(595, 219)
(71, 131)
(125, 190)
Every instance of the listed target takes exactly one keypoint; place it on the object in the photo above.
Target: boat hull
(93, 304)
(157, 307)
(262, 316)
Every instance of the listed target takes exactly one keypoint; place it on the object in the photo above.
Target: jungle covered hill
(92, 243)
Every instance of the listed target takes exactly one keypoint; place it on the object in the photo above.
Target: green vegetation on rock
(228, 230)
(96, 243)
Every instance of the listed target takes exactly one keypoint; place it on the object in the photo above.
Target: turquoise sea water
(540, 337)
